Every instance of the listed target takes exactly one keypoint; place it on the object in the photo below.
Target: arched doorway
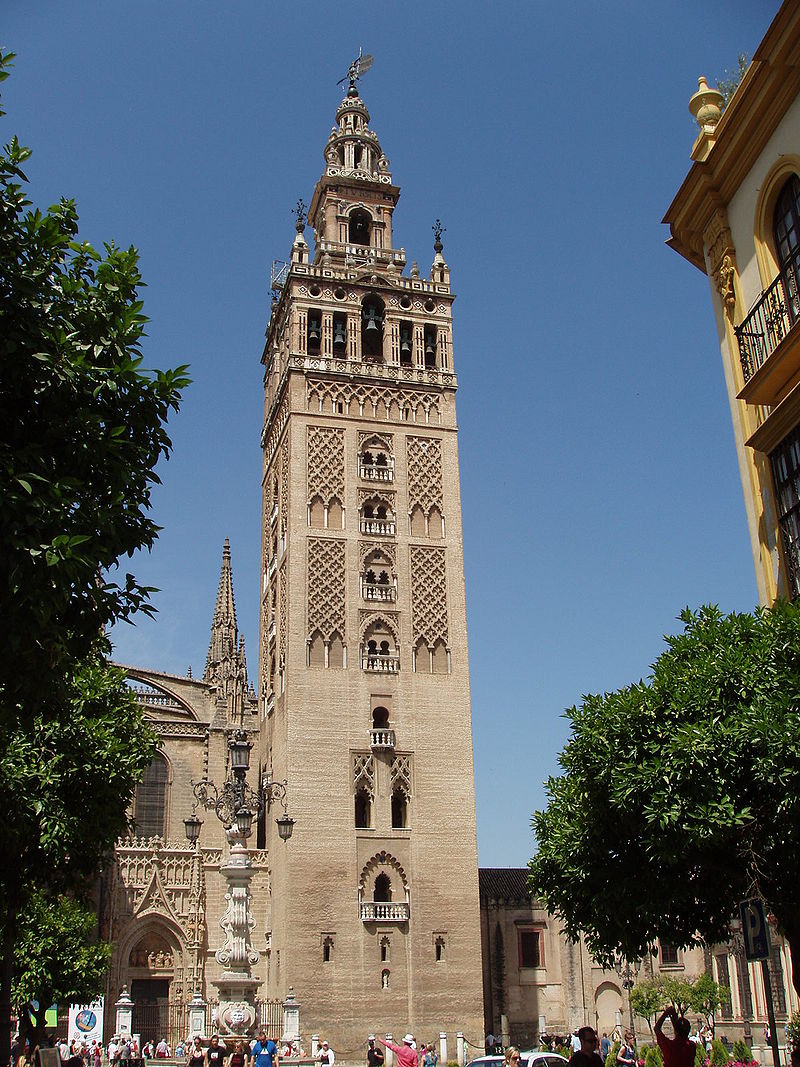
(151, 972)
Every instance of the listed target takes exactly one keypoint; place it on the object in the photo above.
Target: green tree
(681, 795)
(708, 997)
(55, 959)
(81, 432)
(729, 82)
(647, 1000)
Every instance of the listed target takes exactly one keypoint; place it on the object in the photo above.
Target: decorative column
(291, 1018)
(442, 1047)
(197, 1016)
(460, 1048)
(124, 1021)
(237, 986)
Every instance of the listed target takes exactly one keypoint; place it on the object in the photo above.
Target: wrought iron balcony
(382, 739)
(381, 664)
(384, 911)
(770, 319)
(373, 472)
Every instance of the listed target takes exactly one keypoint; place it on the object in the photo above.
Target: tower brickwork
(364, 682)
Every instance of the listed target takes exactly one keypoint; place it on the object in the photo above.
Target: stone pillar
(542, 1026)
(197, 1016)
(389, 1057)
(327, 334)
(291, 1018)
(460, 1048)
(442, 1048)
(124, 1019)
(314, 1046)
(237, 986)
(505, 1030)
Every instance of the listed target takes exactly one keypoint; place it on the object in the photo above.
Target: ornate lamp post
(236, 804)
(627, 971)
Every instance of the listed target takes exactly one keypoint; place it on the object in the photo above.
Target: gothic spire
(224, 635)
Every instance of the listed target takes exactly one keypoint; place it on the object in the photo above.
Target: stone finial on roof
(706, 104)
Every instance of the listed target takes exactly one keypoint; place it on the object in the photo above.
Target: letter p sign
(754, 928)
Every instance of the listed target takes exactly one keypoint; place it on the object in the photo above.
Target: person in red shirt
(680, 1051)
(406, 1055)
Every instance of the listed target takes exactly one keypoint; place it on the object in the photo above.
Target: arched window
(363, 810)
(150, 808)
(399, 810)
(360, 228)
(316, 650)
(380, 718)
(786, 231)
(382, 892)
(372, 329)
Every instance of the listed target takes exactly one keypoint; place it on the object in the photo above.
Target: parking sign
(754, 928)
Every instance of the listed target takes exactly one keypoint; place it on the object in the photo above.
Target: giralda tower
(364, 682)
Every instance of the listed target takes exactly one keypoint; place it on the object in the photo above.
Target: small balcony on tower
(381, 736)
(377, 519)
(378, 586)
(379, 651)
(388, 911)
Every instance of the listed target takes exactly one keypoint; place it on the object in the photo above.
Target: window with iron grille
(530, 948)
(786, 231)
(669, 954)
(785, 462)
(150, 808)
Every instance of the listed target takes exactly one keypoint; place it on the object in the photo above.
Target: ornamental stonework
(428, 594)
(401, 774)
(284, 612)
(326, 463)
(424, 473)
(326, 587)
(376, 402)
(718, 240)
(364, 773)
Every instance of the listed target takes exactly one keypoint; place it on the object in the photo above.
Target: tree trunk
(6, 975)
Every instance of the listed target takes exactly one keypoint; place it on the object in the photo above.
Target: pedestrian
(575, 1041)
(263, 1053)
(626, 1056)
(239, 1058)
(406, 1053)
(587, 1055)
(680, 1051)
(375, 1057)
(512, 1056)
(162, 1049)
(605, 1046)
(215, 1053)
(429, 1055)
(326, 1055)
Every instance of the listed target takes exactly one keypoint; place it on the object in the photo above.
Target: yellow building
(737, 218)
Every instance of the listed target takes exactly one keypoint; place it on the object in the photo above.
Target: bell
(373, 319)
(339, 333)
(430, 349)
(405, 343)
(313, 330)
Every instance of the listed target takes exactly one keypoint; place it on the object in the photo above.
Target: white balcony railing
(382, 664)
(373, 473)
(382, 739)
(381, 527)
(380, 911)
(374, 591)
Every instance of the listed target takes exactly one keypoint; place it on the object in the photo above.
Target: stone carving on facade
(325, 463)
(174, 730)
(718, 241)
(428, 594)
(424, 473)
(326, 587)
(390, 620)
(270, 445)
(372, 401)
(237, 921)
(367, 548)
(284, 612)
(400, 773)
(364, 773)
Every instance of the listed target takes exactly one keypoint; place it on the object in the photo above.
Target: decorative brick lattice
(401, 774)
(373, 402)
(326, 463)
(428, 594)
(284, 612)
(326, 587)
(284, 501)
(364, 773)
(424, 473)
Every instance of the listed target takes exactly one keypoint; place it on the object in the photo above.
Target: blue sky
(600, 489)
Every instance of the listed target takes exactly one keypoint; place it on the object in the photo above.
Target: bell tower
(364, 681)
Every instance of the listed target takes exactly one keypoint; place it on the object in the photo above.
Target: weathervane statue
(358, 67)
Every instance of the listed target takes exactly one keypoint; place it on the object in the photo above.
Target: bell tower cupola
(353, 203)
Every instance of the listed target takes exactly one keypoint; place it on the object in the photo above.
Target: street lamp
(191, 826)
(236, 803)
(627, 971)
